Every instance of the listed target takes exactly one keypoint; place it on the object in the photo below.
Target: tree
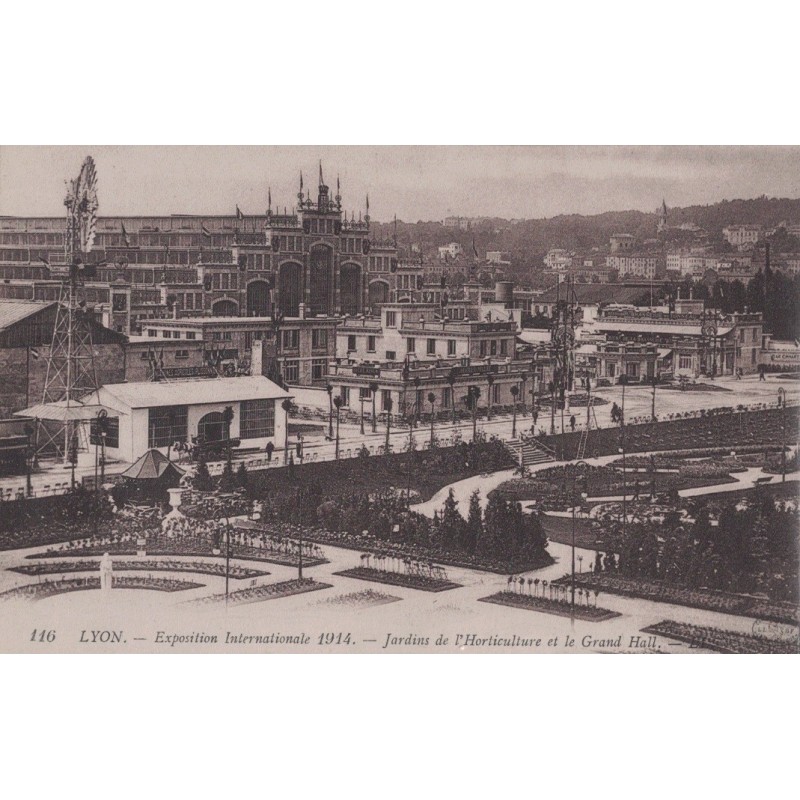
(451, 524)
(473, 531)
(388, 403)
(227, 481)
(242, 476)
(202, 478)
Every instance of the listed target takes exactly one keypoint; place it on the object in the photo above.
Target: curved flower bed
(38, 591)
(722, 641)
(199, 567)
(656, 591)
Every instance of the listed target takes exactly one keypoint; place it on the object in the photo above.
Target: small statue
(106, 572)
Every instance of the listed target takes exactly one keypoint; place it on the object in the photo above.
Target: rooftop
(594, 293)
(14, 311)
(194, 392)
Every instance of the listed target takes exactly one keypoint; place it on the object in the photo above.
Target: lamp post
(373, 388)
(286, 405)
(654, 381)
(387, 404)
(624, 491)
(782, 405)
(490, 381)
(451, 379)
(28, 459)
(514, 392)
(580, 468)
(337, 401)
(361, 400)
(432, 401)
(329, 390)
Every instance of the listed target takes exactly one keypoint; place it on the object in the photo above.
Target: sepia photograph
(399, 399)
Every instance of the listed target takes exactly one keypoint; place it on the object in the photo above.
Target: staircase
(528, 452)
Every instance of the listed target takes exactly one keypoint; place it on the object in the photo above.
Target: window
(431, 347)
(112, 432)
(167, 424)
(319, 339)
(483, 348)
(191, 335)
(291, 340)
(391, 355)
(494, 347)
(451, 347)
(181, 354)
(411, 345)
(447, 397)
(632, 369)
(351, 343)
(391, 319)
(684, 362)
(344, 393)
(319, 368)
(291, 371)
(503, 347)
(496, 393)
(144, 355)
(364, 394)
(166, 334)
(386, 398)
(257, 419)
(370, 344)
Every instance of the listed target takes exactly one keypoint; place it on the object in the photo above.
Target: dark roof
(153, 464)
(594, 293)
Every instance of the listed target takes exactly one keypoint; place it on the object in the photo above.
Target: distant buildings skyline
(415, 183)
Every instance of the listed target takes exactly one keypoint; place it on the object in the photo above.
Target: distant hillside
(529, 240)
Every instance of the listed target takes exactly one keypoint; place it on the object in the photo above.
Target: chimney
(301, 310)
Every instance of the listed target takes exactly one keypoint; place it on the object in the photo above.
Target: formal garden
(738, 557)
(714, 430)
(722, 641)
(559, 488)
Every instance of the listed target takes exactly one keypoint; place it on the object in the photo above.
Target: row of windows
(430, 346)
(257, 419)
(32, 238)
(380, 263)
(492, 348)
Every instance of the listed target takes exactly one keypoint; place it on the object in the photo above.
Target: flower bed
(199, 567)
(269, 591)
(421, 582)
(719, 640)
(560, 607)
(190, 546)
(723, 602)
(348, 541)
(38, 591)
(363, 599)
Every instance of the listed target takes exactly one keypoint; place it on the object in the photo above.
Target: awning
(61, 411)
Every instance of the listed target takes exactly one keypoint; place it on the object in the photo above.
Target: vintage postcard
(399, 399)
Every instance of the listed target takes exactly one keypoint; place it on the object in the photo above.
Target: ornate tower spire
(321, 181)
(269, 201)
(338, 197)
(366, 216)
(300, 193)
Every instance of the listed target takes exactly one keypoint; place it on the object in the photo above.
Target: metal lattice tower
(71, 372)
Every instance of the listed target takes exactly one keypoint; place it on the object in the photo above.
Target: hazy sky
(412, 182)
